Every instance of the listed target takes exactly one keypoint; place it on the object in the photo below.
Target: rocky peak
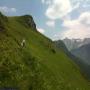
(28, 21)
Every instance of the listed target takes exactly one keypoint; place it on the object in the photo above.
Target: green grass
(38, 65)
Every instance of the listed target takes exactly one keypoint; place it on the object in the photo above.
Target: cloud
(43, 1)
(59, 8)
(79, 28)
(85, 18)
(41, 30)
(6, 9)
(50, 23)
(47, 2)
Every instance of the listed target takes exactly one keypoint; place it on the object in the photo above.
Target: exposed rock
(28, 21)
(3, 19)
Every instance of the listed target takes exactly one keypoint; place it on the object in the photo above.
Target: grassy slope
(36, 66)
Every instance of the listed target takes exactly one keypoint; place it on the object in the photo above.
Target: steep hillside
(37, 64)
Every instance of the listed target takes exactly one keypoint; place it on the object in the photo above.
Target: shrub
(53, 51)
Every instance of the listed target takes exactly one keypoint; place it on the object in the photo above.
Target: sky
(56, 19)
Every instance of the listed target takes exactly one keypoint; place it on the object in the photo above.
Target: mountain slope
(85, 55)
(38, 65)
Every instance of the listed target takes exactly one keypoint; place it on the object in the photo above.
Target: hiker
(23, 42)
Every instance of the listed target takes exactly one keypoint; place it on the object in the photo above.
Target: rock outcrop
(28, 21)
(3, 19)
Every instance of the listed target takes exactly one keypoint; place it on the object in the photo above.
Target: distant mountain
(75, 43)
(83, 52)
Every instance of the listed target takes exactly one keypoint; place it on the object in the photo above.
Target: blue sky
(56, 19)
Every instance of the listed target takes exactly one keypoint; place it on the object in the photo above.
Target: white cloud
(85, 18)
(41, 30)
(76, 5)
(6, 9)
(50, 23)
(13, 9)
(79, 28)
(43, 1)
(47, 2)
(59, 8)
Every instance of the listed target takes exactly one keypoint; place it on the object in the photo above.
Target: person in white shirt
(23, 42)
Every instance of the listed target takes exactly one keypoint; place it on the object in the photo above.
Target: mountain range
(83, 52)
(72, 44)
